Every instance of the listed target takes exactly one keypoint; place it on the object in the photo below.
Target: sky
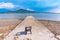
(32, 5)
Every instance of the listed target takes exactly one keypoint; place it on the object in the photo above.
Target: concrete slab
(39, 31)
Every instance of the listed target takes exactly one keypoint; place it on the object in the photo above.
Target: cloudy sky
(33, 5)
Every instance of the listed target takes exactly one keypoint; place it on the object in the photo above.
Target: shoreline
(6, 25)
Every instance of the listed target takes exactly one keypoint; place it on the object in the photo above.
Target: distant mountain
(17, 11)
(20, 11)
(23, 11)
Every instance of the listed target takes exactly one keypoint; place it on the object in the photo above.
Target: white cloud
(56, 10)
(56, 6)
(7, 5)
(29, 9)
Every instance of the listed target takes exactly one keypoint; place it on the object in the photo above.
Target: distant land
(18, 11)
(21, 11)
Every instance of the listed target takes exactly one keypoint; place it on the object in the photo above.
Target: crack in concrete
(55, 35)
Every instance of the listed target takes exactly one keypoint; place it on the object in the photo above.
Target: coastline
(7, 25)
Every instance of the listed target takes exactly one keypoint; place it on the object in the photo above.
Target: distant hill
(23, 11)
(18, 11)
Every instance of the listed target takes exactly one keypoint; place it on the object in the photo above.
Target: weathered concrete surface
(58, 36)
(53, 26)
(39, 32)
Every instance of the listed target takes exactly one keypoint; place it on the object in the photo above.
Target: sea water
(41, 16)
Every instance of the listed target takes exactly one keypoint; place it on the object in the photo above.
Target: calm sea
(42, 16)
